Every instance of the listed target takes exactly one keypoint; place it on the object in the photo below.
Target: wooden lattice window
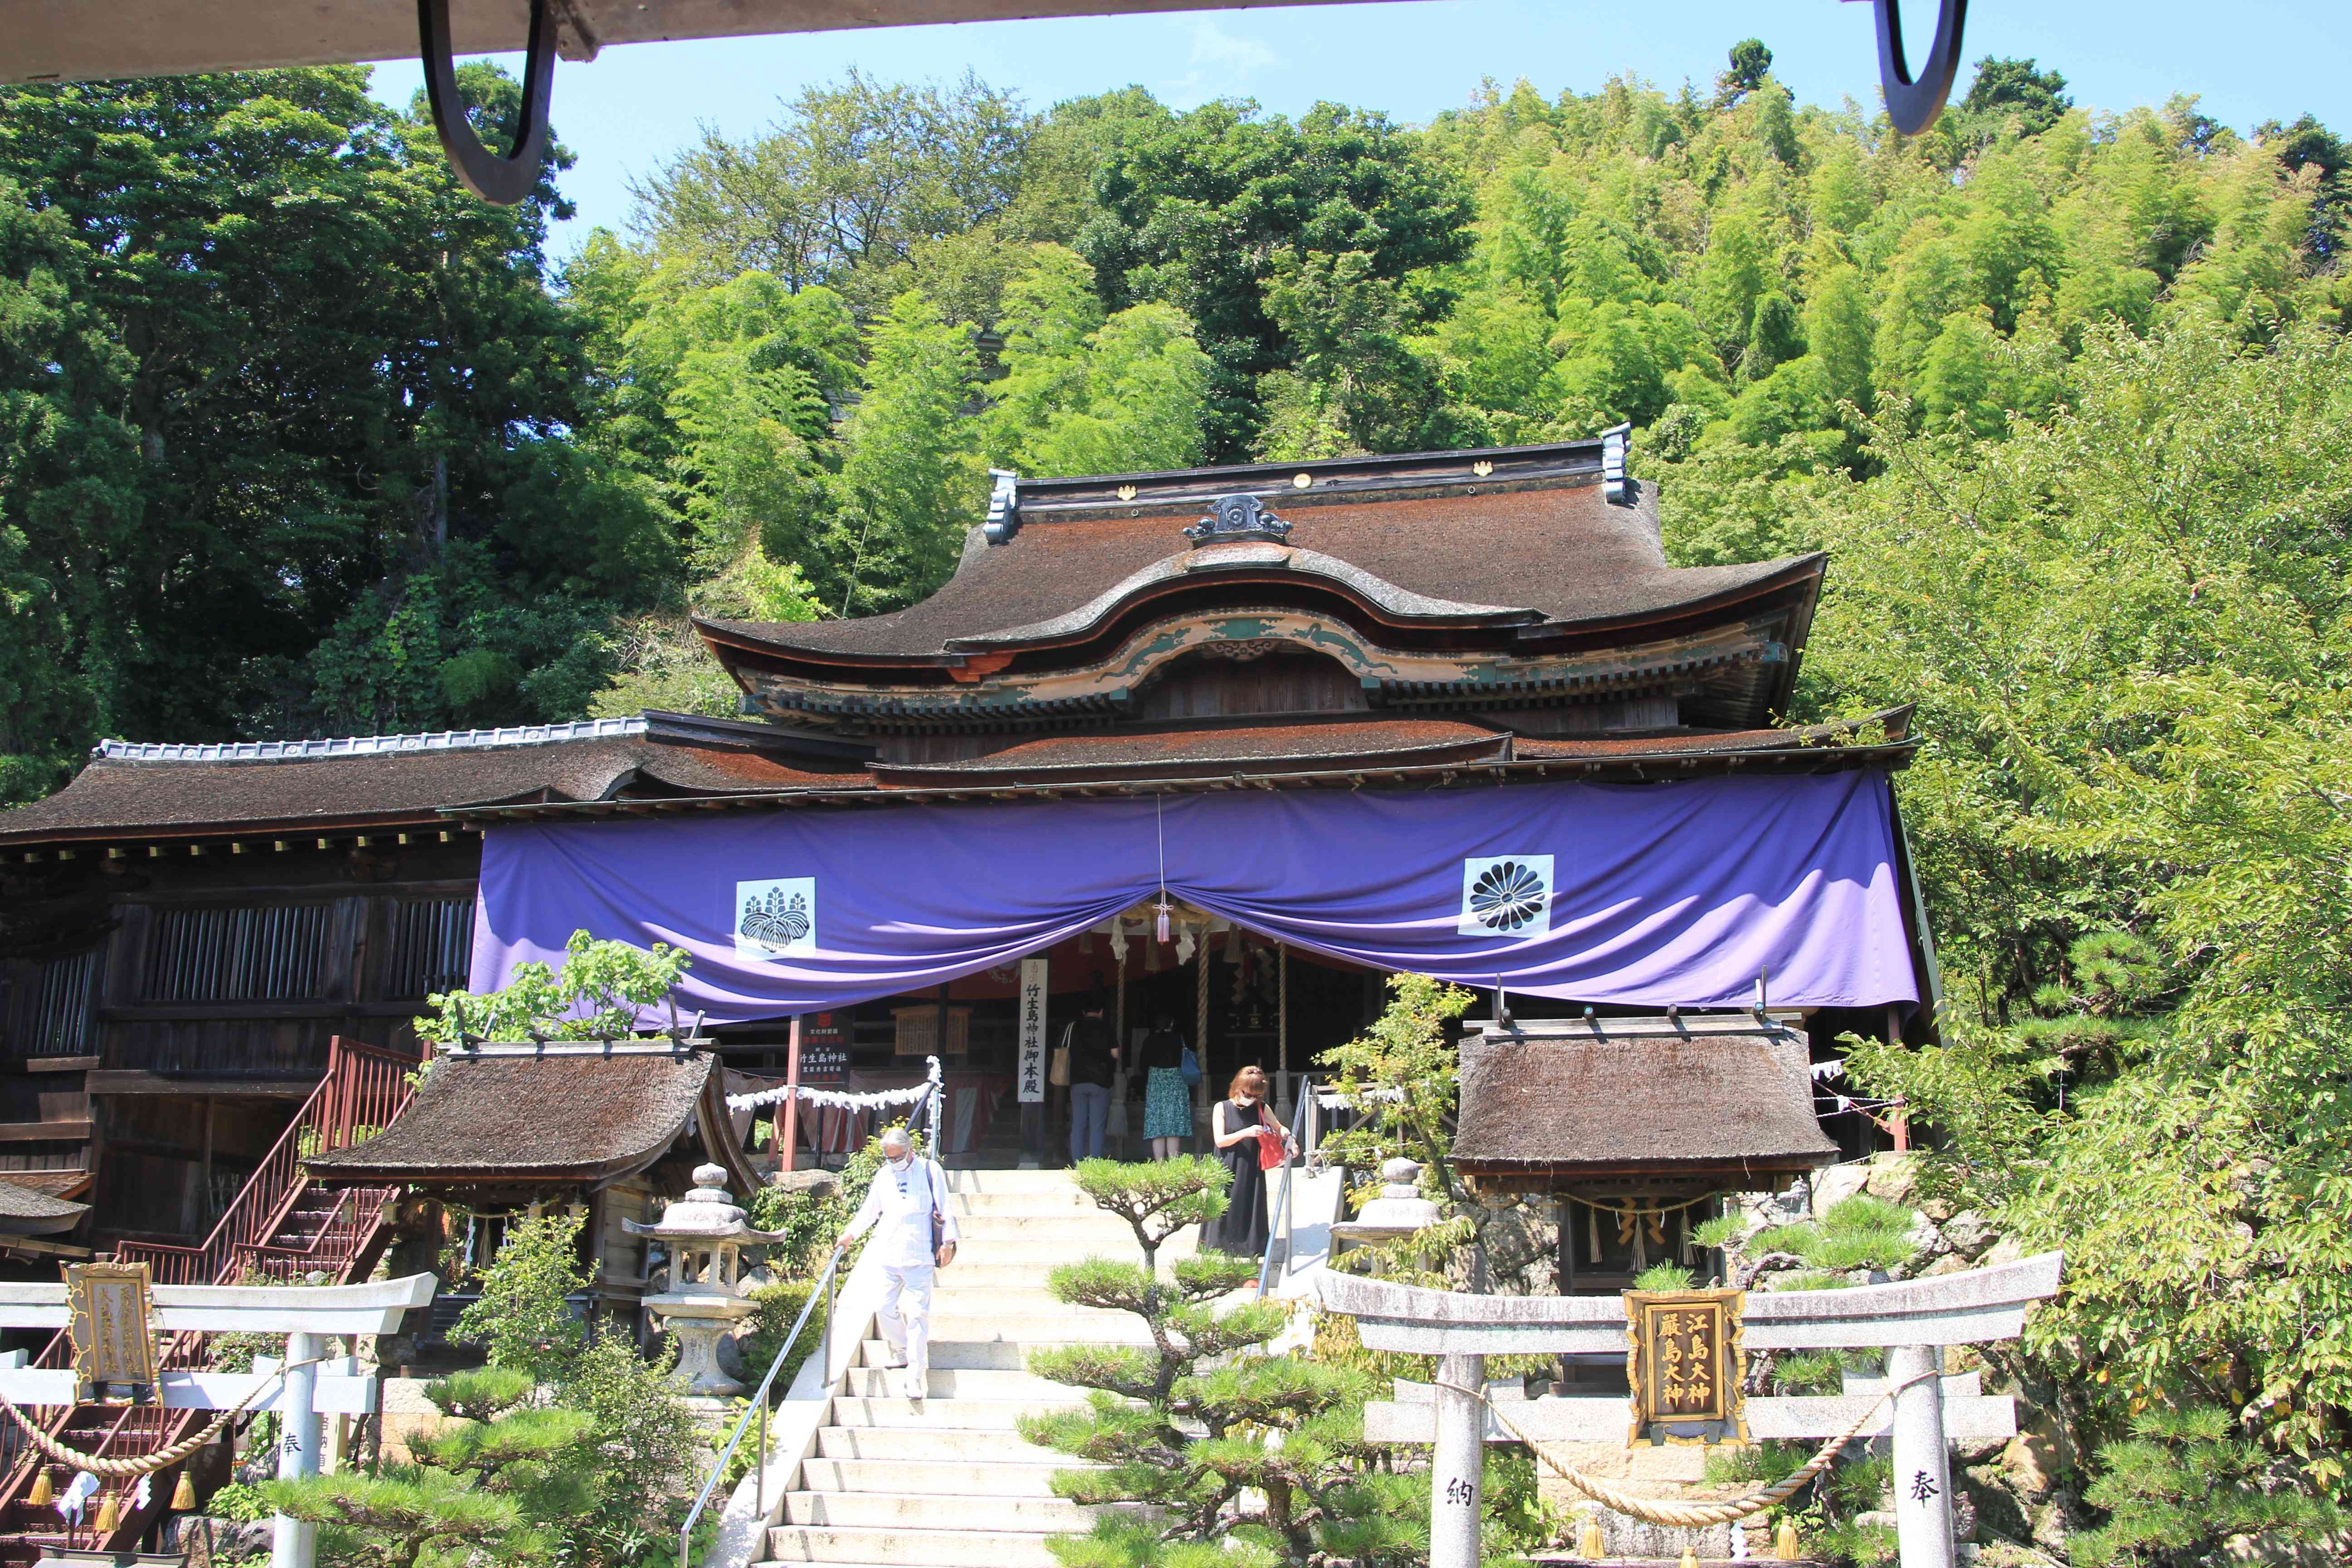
(255, 954)
(55, 1011)
(432, 947)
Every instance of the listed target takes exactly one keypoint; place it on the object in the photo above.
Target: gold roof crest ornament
(109, 1319)
(1686, 1365)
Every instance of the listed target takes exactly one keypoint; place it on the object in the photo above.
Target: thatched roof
(515, 1116)
(25, 1211)
(1554, 1101)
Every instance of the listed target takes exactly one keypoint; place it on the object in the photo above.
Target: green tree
(911, 483)
(1775, 336)
(854, 176)
(1195, 211)
(2126, 645)
(2009, 93)
(492, 1480)
(599, 992)
(1086, 395)
(68, 495)
(1286, 1426)
(1749, 60)
(329, 364)
(523, 1315)
(2184, 1484)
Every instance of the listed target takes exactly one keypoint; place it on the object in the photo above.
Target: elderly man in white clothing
(909, 1201)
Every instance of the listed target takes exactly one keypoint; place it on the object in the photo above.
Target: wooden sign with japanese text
(1031, 1079)
(1686, 1366)
(107, 1318)
(825, 1047)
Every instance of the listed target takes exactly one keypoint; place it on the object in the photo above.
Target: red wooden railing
(364, 1089)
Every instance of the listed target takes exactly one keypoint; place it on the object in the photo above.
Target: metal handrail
(1266, 1265)
(823, 1285)
(759, 1407)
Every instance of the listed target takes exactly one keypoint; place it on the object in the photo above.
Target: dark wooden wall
(209, 986)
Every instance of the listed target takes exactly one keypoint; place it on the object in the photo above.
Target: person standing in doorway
(917, 1233)
(1240, 1126)
(1094, 1063)
(1167, 1097)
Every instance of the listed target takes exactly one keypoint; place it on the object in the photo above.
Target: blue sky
(628, 111)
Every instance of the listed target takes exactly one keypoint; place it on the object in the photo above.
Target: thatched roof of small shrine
(1561, 1100)
(512, 1116)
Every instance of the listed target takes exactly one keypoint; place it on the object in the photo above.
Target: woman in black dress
(1239, 1124)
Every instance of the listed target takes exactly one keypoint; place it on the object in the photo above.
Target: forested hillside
(297, 438)
(294, 437)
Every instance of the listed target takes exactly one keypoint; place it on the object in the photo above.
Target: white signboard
(1505, 895)
(775, 917)
(1033, 1030)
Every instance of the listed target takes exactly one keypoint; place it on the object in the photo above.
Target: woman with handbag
(1250, 1141)
(1167, 1088)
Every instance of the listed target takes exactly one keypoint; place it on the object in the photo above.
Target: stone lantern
(704, 1232)
(1399, 1211)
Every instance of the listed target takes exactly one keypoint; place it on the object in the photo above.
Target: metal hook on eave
(501, 182)
(1913, 102)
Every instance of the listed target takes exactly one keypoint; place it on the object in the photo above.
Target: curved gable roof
(1558, 552)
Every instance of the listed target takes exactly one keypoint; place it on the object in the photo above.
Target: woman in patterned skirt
(1166, 1097)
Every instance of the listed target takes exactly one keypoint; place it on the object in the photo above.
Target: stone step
(943, 1412)
(973, 1355)
(960, 1479)
(1061, 1325)
(908, 1548)
(1011, 1182)
(1047, 1252)
(943, 1444)
(888, 1510)
(1009, 1384)
(1049, 1202)
(1094, 1227)
(962, 1275)
(965, 1301)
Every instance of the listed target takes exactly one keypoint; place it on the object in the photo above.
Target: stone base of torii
(1911, 1321)
(306, 1315)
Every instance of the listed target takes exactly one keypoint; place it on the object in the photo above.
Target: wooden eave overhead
(48, 41)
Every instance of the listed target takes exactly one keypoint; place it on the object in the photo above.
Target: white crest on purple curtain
(1505, 895)
(775, 917)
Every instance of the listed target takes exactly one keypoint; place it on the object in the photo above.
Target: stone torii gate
(303, 1313)
(1911, 1321)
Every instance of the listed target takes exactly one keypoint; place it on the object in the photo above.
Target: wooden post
(1284, 1093)
(787, 1126)
(1200, 1024)
(1898, 1118)
(1923, 1479)
(1457, 1467)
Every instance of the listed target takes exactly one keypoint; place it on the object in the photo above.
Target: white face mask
(900, 1161)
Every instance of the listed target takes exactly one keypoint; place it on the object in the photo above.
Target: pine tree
(1286, 1427)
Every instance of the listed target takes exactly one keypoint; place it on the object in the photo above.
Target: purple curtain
(1651, 895)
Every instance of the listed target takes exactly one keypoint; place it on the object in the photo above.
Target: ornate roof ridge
(367, 745)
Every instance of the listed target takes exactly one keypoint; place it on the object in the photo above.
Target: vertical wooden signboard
(1686, 1365)
(1033, 1031)
(107, 1318)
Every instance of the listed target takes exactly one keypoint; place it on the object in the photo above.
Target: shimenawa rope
(162, 1458)
(1688, 1515)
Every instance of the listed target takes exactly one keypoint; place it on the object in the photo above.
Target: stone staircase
(947, 1481)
